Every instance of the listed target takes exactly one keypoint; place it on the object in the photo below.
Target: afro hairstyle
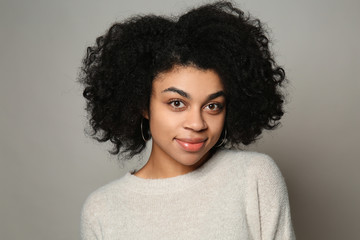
(117, 72)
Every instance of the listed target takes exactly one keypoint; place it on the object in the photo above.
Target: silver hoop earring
(142, 134)
(223, 139)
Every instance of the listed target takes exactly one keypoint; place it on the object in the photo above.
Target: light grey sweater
(234, 195)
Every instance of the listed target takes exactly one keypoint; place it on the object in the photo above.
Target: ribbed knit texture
(234, 195)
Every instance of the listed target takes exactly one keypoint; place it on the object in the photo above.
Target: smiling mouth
(191, 145)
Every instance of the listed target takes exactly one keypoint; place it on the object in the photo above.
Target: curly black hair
(118, 71)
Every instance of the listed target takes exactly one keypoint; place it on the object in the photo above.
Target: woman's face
(187, 114)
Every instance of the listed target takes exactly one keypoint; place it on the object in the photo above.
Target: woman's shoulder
(99, 199)
(251, 164)
(258, 173)
(248, 158)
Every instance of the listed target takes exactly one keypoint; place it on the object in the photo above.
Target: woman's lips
(191, 145)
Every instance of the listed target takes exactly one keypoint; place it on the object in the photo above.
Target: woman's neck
(165, 167)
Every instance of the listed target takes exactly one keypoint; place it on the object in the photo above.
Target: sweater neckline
(171, 184)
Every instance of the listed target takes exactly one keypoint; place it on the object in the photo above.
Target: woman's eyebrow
(215, 95)
(178, 91)
(186, 95)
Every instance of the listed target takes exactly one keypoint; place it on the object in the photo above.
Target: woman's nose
(195, 121)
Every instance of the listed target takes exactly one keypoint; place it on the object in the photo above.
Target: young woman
(198, 86)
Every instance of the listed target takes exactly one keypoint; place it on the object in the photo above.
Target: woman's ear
(145, 114)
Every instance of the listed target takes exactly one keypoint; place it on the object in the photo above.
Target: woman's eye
(213, 107)
(177, 104)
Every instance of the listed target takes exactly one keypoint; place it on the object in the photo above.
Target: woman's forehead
(188, 78)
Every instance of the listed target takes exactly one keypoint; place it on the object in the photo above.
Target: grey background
(49, 167)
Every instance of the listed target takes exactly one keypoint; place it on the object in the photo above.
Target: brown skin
(187, 115)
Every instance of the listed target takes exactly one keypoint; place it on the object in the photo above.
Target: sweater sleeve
(90, 228)
(274, 220)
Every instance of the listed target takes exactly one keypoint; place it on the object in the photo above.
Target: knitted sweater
(234, 195)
